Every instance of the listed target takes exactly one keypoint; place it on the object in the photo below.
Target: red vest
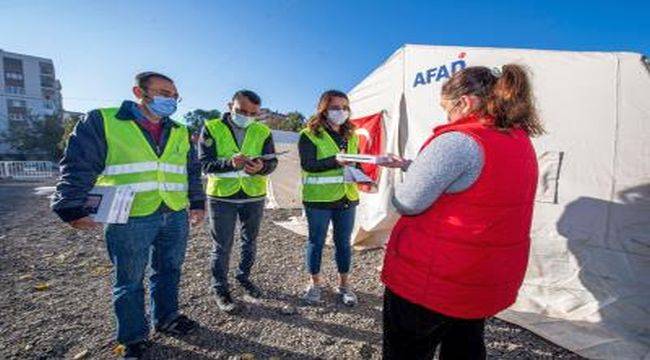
(466, 255)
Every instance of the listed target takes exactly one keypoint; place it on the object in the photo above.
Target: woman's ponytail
(511, 103)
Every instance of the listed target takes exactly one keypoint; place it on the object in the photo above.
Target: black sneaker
(135, 351)
(180, 326)
(225, 303)
(251, 291)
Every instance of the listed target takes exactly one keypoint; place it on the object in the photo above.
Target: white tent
(588, 284)
(284, 186)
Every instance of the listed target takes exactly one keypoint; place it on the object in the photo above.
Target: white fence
(27, 170)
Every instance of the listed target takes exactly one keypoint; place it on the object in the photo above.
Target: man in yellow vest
(237, 154)
(139, 146)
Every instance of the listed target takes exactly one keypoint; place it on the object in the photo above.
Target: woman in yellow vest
(326, 196)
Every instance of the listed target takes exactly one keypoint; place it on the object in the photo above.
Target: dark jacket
(310, 162)
(210, 164)
(85, 157)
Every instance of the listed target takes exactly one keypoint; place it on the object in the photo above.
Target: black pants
(223, 219)
(414, 332)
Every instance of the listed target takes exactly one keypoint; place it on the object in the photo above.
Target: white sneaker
(347, 297)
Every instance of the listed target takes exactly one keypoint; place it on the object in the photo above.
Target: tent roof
(424, 46)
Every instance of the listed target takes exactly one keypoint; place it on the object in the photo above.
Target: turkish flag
(370, 131)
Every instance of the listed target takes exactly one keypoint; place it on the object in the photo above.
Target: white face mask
(241, 120)
(337, 117)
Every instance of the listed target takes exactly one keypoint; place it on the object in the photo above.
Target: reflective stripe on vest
(329, 185)
(323, 180)
(230, 174)
(229, 183)
(132, 162)
(142, 167)
(154, 185)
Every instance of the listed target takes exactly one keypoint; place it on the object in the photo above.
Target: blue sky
(289, 51)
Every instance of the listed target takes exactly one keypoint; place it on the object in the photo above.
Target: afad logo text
(438, 73)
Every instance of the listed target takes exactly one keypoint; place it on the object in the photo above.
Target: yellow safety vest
(131, 161)
(229, 183)
(329, 185)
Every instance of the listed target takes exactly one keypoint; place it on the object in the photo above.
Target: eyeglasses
(151, 93)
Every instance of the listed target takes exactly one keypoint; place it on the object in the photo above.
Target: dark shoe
(135, 351)
(225, 303)
(180, 326)
(251, 292)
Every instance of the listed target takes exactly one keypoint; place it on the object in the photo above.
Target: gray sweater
(451, 163)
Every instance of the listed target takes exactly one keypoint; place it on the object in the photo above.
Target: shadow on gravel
(163, 351)
(218, 342)
(368, 308)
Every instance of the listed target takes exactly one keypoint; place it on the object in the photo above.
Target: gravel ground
(55, 298)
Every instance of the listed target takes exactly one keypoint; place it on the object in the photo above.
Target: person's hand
(238, 161)
(252, 167)
(84, 223)
(396, 162)
(197, 216)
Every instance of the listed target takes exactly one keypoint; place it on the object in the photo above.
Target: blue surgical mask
(162, 106)
(241, 120)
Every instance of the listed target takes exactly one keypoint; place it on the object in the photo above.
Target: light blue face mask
(241, 120)
(162, 106)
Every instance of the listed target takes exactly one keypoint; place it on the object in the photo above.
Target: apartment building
(28, 89)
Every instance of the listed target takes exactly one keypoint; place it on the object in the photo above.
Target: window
(13, 65)
(47, 93)
(46, 68)
(550, 164)
(14, 75)
(14, 78)
(16, 109)
(47, 81)
(16, 103)
(19, 90)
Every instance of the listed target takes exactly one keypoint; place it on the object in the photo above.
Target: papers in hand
(268, 156)
(352, 174)
(110, 204)
(364, 158)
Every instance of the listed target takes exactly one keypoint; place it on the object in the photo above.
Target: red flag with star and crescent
(370, 131)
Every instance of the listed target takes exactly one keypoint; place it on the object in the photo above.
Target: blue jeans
(223, 218)
(343, 223)
(159, 240)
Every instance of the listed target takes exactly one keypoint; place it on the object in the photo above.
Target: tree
(69, 124)
(36, 136)
(195, 118)
(294, 121)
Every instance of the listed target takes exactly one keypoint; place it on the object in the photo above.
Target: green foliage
(36, 136)
(68, 127)
(293, 121)
(195, 118)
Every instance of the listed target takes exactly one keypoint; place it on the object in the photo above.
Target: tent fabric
(588, 282)
(283, 189)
